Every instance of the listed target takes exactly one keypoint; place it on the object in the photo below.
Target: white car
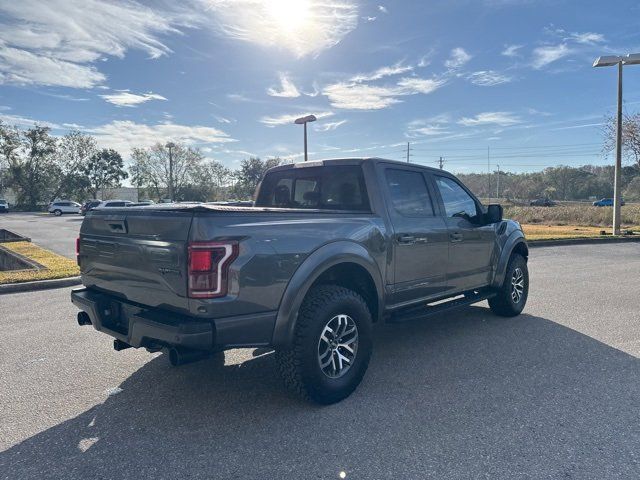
(64, 206)
(114, 203)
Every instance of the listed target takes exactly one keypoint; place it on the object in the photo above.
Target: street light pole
(617, 198)
(620, 61)
(304, 121)
(171, 146)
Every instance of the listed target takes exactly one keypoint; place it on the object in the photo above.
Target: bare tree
(630, 136)
(150, 168)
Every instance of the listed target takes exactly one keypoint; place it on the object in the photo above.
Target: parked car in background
(606, 202)
(542, 202)
(64, 206)
(114, 204)
(89, 206)
(4, 206)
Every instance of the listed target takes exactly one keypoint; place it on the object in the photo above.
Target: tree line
(40, 168)
(556, 183)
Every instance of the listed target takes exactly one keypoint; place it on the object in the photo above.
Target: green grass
(56, 266)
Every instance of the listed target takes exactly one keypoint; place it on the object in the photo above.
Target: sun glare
(290, 15)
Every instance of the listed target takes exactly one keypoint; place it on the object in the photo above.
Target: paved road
(57, 234)
(551, 394)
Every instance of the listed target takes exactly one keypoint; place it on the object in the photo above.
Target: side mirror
(494, 213)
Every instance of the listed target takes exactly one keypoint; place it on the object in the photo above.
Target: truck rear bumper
(140, 327)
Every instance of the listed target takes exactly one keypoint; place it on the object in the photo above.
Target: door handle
(406, 239)
(456, 237)
(410, 239)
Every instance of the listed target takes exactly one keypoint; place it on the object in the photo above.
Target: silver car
(64, 206)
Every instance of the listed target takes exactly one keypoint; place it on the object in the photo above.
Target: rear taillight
(209, 267)
(78, 251)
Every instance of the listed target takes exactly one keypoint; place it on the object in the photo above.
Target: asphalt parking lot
(57, 234)
(553, 393)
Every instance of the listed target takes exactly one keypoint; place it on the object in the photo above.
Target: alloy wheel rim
(517, 285)
(338, 346)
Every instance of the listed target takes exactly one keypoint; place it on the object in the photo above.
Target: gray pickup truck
(329, 248)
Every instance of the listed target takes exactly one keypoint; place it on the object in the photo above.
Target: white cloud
(488, 78)
(502, 119)
(511, 50)
(383, 9)
(221, 119)
(287, 88)
(543, 56)
(369, 19)
(427, 131)
(316, 90)
(25, 122)
(430, 127)
(382, 72)
(288, 119)
(328, 126)
(302, 27)
(124, 98)
(57, 42)
(361, 96)
(459, 57)
(588, 38)
(26, 68)
(124, 135)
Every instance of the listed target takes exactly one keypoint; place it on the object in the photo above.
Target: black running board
(426, 311)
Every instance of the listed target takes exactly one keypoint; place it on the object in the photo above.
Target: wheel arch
(346, 264)
(516, 243)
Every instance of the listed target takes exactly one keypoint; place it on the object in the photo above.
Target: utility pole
(498, 187)
(171, 146)
(489, 169)
(441, 163)
(408, 151)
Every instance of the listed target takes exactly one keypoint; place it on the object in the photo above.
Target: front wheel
(512, 295)
(57, 213)
(332, 345)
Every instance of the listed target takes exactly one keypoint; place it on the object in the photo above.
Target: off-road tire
(504, 304)
(299, 365)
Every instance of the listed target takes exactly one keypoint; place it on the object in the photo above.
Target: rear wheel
(512, 295)
(332, 345)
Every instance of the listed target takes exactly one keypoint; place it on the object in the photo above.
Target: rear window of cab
(319, 188)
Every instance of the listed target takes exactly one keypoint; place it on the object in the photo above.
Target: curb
(581, 241)
(39, 285)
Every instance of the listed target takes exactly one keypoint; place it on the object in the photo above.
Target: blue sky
(451, 77)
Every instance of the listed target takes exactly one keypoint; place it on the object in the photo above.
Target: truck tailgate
(138, 255)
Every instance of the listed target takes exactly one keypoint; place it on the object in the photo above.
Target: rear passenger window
(409, 193)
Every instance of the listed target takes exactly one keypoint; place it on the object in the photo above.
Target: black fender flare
(312, 267)
(515, 239)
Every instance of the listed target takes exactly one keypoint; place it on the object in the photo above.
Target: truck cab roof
(346, 161)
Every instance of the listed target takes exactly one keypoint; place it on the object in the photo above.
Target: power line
(478, 149)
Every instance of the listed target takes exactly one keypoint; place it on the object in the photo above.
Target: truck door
(420, 238)
(471, 242)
